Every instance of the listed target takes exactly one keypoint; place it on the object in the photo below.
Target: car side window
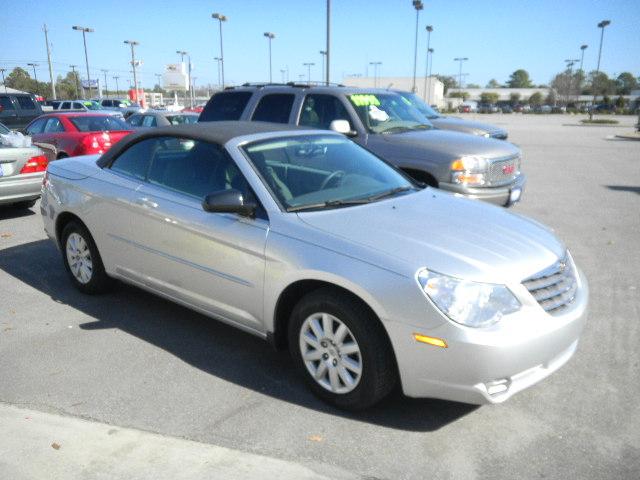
(194, 168)
(36, 127)
(134, 161)
(275, 107)
(77, 106)
(135, 120)
(53, 125)
(26, 103)
(6, 103)
(149, 121)
(225, 106)
(318, 111)
(65, 106)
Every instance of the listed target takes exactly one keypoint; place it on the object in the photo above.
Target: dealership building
(430, 89)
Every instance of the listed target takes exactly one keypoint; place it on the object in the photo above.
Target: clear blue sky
(497, 36)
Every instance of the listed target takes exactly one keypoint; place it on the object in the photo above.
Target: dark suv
(389, 126)
(18, 109)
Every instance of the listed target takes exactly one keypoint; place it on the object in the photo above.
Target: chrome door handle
(145, 202)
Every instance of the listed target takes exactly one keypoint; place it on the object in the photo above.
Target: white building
(433, 94)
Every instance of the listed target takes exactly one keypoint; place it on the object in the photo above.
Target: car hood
(461, 124)
(455, 236)
(450, 143)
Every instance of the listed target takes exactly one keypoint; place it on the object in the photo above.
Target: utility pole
(426, 72)
(418, 5)
(106, 86)
(53, 81)
(75, 76)
(132, 44)
(582, 48)
(602, 25)
(117, 86)
(2, 70)
(328, 46)
(84, 31)
(221, 18)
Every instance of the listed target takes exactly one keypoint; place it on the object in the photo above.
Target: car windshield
(421, 105)
(388, 113)
(312, 172)
(98, 123)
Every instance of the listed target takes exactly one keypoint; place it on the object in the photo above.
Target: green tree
(462, 95)
(519, 79)
(489, 97)
(601, 84)
(514, 98)
(20, 80)
(473, 85)
(551, 98)
(626, 83)
(535, 99)
(493, 83)
(448, 81)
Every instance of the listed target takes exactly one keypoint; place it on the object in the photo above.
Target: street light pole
(602, 25)
(375, 73)
(84, 31)
(75, 77)
(328, 46)
(133, 43)
(270, 36)
(182, 53)
(430, 53)
(583, 48)
(426, 72)
(460, 59)
(221, 18)
(323, 54)
(418, 5)
(217, 59)
(2, 70)
(35, 75)
(106, 85)
(309, 65)
(117, 86)
(53, 81)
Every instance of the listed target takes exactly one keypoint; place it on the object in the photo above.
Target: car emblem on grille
(508, 169)
(562, 266)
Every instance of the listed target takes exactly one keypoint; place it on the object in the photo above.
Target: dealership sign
(175, 77)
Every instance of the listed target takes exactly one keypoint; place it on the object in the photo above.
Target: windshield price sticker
(364, 100)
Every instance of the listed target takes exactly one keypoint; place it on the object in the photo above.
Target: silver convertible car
(313, 243)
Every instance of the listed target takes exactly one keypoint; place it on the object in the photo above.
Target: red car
(77, 133)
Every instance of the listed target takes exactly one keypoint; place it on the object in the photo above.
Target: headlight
(469, 170)
(469, 303)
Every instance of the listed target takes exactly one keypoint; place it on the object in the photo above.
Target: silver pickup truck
(388, 125)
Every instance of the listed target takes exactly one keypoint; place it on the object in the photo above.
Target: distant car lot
(132, 359)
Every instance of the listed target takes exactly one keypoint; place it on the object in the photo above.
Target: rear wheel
(341, 350)
(82, 260)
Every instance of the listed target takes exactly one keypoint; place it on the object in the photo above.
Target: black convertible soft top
(214, 132)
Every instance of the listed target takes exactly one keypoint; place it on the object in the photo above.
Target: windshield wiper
(389, 193)
(329, 204)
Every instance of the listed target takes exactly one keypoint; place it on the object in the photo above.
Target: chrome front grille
(555, 287)
(504, 170)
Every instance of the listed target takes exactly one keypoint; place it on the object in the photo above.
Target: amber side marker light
(436, 342)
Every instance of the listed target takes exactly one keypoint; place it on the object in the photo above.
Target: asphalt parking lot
(130, 359)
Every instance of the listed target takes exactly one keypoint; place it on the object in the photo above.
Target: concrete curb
(36, 445)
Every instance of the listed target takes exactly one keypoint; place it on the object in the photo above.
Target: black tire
(99, 281)
(25, 204)
(379, 372)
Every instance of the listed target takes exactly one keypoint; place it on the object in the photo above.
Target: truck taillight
(35, 164)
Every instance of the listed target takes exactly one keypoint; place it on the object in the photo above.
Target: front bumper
(489, 365)
(20, 188)
(505, 195)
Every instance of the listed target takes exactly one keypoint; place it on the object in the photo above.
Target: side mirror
(228, 201)
(342, 126)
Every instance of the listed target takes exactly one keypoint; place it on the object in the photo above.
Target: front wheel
(341, 349)
(82, 260)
